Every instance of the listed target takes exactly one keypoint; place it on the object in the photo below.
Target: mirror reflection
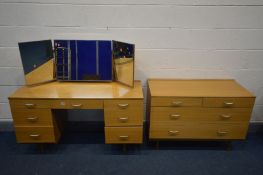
(123, 56)
(37, 60)
(83, 60)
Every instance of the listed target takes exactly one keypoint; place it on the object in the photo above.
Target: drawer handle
(177, 103)
(76, 105)
(34, 136)
(32, 119)
(228, 104)
(124, 137)
(174, 116)
(224, 116)
(222, 133)
(30, 105)
(123, 105)
(123, 119)
(173, 133)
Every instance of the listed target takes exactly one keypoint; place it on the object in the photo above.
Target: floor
(85, 153)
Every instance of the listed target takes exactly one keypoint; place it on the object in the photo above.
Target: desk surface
(79, 90)
(197, 88)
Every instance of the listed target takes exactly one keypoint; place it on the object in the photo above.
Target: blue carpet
(86, 153)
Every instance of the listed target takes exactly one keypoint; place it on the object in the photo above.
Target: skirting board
(98, 126)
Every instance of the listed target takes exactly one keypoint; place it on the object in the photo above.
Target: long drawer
(32, 117)
(123, 135)
(198, 114)
(77, 104)
(176, 101)
(199, 131)
(36, 135)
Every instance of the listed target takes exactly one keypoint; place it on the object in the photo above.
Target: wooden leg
(229, 146)
(124, 148)
(41, 147)
(157, 145)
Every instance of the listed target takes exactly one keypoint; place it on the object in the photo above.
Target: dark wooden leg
(157, 145)
(229, 146)
(124, 148)
(41, 147)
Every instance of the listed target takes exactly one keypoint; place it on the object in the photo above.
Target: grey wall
(174, 38)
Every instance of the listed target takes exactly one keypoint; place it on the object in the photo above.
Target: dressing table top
(79, 90)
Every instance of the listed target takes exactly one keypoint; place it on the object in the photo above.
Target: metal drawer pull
(76, 105)
(35, 136)
(228, 103)
(173, 132)
(32, 119)
(123, 105)
(222, 133)
(174, 116)
(123, 119)
(123, 137)
(224, 116)
(177, 103)
(30, 105)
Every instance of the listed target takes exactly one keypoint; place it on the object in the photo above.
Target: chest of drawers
(198, 109)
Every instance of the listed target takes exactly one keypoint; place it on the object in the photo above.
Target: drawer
(199, 131)
(135, 106)
(229, 102)
(123, 135)
(77, 104)
(32, 117)
(117, 115)
(123, 119)
(175, 102)
(35, 135)
(30, 104)
(178, 115)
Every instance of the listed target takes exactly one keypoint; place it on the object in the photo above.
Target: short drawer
(176, 102)
(229, 102)
(199, 131)
(199, 114)
(30, 104)
(123, 135)
(35, 135)
(77, 104)
(123, 119)
(135, 106)
(32, 117)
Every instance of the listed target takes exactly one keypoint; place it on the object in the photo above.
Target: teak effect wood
(198, 109)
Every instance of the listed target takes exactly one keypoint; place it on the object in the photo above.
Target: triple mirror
(78, 60)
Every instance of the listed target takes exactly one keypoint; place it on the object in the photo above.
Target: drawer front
(123, 135)
(178, 115)
(32, 117)
(30, 104)
(229, 102)
(122, 105)
(35, 135)
(116, 113)
(199, 131)
(77, 104)
(175, 102)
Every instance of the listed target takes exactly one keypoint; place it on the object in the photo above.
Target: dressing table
(38, 111)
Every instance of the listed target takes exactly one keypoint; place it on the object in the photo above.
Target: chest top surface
(197, 88)
(79, 90)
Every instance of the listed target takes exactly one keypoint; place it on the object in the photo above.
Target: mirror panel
(83, 60)
(37, 60)
(123, 56)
